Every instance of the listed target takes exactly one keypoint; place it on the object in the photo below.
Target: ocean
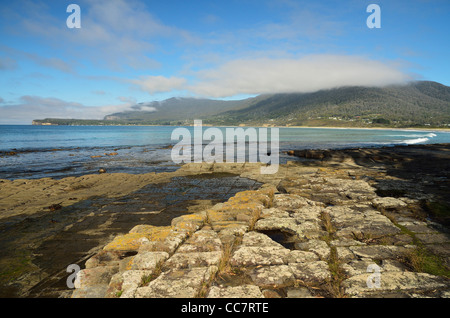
(28, 152)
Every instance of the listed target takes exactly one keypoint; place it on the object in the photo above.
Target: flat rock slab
(184, 283)
(380, 252)
(244, 291)
(388, 203)
(418, 227)
(395, 282)
(254, 255)
(95, 276)
(196, 259)
(433, 238)
(318, 247)
(148, 260)
(350, 222)
(272, 276)
(291, 202)
(364, 265)
(202, 241)
(314, 272)
(259, 249)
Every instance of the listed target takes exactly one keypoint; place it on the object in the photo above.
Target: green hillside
(415, 104)
(418, 104)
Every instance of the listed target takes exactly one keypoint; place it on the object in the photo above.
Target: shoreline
(231, 126)
(376, 128)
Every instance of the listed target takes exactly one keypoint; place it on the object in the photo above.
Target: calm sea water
(61, 151)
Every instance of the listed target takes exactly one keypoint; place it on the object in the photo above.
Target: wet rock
(312, 154)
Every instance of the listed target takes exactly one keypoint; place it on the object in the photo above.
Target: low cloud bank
(35, 107)
(308, 74)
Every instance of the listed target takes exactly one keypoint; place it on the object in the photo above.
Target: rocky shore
(316, 229)
(343, 223)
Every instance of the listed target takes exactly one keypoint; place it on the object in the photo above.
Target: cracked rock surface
(318, 230)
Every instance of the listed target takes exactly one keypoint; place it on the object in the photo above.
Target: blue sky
(128, 52)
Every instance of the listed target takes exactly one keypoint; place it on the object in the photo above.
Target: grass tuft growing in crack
(422, 260)
(334, 286)
(146, 279)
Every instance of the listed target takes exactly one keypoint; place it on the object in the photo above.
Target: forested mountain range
(420, 103)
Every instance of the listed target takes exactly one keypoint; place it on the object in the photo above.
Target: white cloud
(35, 107)
(159, 84)
(307, 74)
(148, 108)
(117, 34)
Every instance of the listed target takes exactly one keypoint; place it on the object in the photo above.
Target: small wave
(430, 135)
(414, 141)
